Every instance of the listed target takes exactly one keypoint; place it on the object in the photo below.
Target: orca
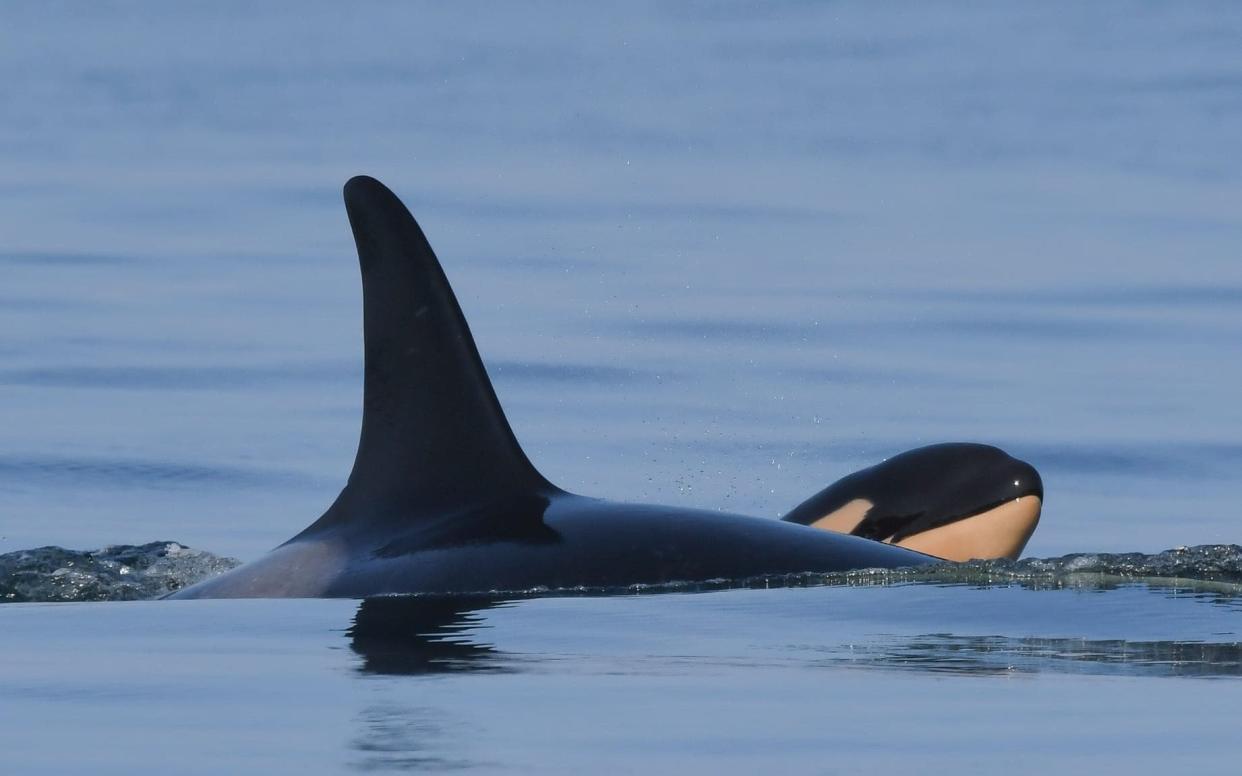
(442, 499)
(955, 500)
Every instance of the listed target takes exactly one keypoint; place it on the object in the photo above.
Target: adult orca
(441, 498)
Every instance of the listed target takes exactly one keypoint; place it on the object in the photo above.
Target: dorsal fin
(433, 433)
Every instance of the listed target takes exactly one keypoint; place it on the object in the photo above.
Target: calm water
(812, 680)
(713, 255)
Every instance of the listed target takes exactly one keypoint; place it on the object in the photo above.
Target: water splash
(135, 572)
(1209, 566)
(122, 572)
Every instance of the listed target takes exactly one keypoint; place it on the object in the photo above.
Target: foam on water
(135, 572)
(122, 572)
(1208, 566)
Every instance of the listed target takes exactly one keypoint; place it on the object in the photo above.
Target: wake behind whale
(137, 572)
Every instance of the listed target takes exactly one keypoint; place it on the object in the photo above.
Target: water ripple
(178, 378)
(121, 473)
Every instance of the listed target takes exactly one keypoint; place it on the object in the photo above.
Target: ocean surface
(714, 255)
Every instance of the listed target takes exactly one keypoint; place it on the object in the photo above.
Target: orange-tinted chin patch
(1000, 532)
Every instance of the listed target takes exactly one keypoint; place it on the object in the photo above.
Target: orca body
(442, 499)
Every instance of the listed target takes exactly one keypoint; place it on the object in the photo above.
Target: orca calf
(442, 499)
(956, 501)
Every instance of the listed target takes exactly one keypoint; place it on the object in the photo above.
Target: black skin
(925, 488)
(442, 499)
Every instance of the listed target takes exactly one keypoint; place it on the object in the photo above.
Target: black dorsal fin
(433, 434)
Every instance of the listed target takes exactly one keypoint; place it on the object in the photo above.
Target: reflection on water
(415, 635)
(946, 653)
(399, 737)
(418, 636)
(423, 635)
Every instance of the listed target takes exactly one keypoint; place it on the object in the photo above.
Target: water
(820, 680)
(714, 255)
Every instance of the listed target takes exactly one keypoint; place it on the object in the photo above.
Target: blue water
(714, 255)
(814, 680)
